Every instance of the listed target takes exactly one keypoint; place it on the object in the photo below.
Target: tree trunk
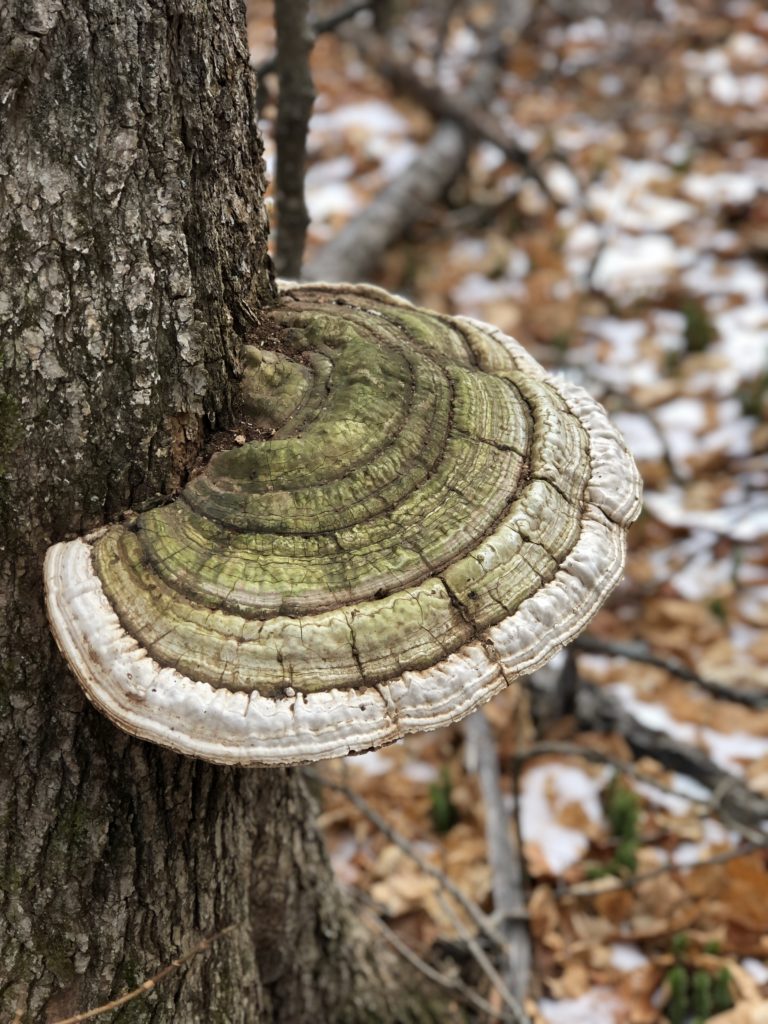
(132, 237)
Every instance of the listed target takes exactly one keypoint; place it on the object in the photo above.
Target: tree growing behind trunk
(132, 240)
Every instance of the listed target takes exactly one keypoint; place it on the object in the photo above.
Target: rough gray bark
(132, 240)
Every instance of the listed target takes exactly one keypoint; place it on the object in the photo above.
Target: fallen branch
(504, 858)
(355, 251)
(593, 645)
(556, 748)
(733, 800)
(470, 117)
(150, 983)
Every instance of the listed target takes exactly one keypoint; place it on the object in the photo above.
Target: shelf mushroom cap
(421, 514)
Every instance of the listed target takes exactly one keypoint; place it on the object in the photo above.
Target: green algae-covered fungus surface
(423, 515)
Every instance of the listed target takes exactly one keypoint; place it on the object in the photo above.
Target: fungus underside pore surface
(422, 516)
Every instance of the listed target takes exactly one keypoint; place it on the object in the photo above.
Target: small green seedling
(700, 332)
(444, 813)
(622, 809)
(695, 994)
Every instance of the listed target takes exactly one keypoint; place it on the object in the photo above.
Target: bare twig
(436, 977)
(317, 28)
(294, 44)
(594, 645)
(150, 983)
(472, 118)
(480, 919)
(509, 999)
(504, 858)
(591, 889)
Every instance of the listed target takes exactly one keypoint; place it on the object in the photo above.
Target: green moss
(702, 1003)
(721, 991)
(622, 809)
(718, 609)
(680, 944)
(678, 982)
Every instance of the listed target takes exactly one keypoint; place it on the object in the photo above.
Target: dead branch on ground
(557, 748)
(357, 248)
(472, 118)
(592, 888)
(504, 854)
(733, 800)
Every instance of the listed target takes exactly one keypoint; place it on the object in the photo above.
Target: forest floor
(645, 281)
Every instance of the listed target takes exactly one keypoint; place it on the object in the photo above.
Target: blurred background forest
(592, 177)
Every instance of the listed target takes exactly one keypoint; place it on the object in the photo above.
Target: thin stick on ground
(480, 919)
(481, 957)
(594, 645)
(150, 983)
(504, 857)
(297, 94)
(437, 977)
(591, 888)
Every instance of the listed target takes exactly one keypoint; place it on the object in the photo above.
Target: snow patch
(547, 789)
(599, 1004)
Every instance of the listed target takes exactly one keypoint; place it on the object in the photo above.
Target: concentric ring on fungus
(432, 516)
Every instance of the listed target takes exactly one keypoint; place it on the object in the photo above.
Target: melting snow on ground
(547, 791)
(599, 1004)
(727, 750)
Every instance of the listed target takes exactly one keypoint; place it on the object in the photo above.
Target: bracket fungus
(422, 515)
